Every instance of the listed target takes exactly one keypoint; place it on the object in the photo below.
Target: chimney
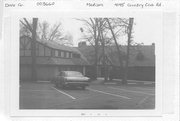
(82, 44)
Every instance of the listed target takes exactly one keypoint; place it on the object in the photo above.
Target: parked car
(71, 78)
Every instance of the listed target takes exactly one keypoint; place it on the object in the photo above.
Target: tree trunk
(128, 47)
(34, 70)
(104, 57)
(96, 51)
(124, 80)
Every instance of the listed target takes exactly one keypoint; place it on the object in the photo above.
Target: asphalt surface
(43, 95)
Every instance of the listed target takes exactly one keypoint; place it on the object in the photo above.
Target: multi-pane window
(67, 55)
(59, 53)
(56, 53)
(62, 54)
(47, 51)
(53, 52)
(70, 55)
(43, 50)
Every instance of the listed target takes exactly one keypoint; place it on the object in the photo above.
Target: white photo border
(14, 82)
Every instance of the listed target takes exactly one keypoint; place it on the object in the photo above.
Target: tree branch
(28, 25)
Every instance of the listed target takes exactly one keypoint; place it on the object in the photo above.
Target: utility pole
(34, 69)
(130, 25)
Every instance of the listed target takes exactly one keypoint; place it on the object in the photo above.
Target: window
(56, 53)
(59, 53)
(73, 74)
(67, 55)
(53, 52)
(47, 51)
(62, 54)
(70, 55)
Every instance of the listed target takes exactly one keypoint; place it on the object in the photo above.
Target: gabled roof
(53, 44)
(56, 45)
(139, 55)
(56, 60)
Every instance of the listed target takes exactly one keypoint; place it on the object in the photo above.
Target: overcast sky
(147, 28)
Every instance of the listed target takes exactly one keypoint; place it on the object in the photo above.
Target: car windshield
(73, 74)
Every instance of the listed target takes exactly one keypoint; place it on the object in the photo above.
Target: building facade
(51, 58)
(141, 61)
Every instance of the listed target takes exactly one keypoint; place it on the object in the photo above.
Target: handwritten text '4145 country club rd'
(138, 5)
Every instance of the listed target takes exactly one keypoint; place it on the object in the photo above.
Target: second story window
(67, 55)
(52, 52)
(62, 54)
(59, 53)
(70, 55)
(56, 53)
(47, 51)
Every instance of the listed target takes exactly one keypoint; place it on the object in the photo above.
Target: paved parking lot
(44, 95)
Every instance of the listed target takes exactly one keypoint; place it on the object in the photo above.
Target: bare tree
(54, 33)
(24, 30)
(31, 31)
(96, 32)
(46, 32)
(44, 26)
(106, 31)
(67, 40)
(128, 29)
(91, 34)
